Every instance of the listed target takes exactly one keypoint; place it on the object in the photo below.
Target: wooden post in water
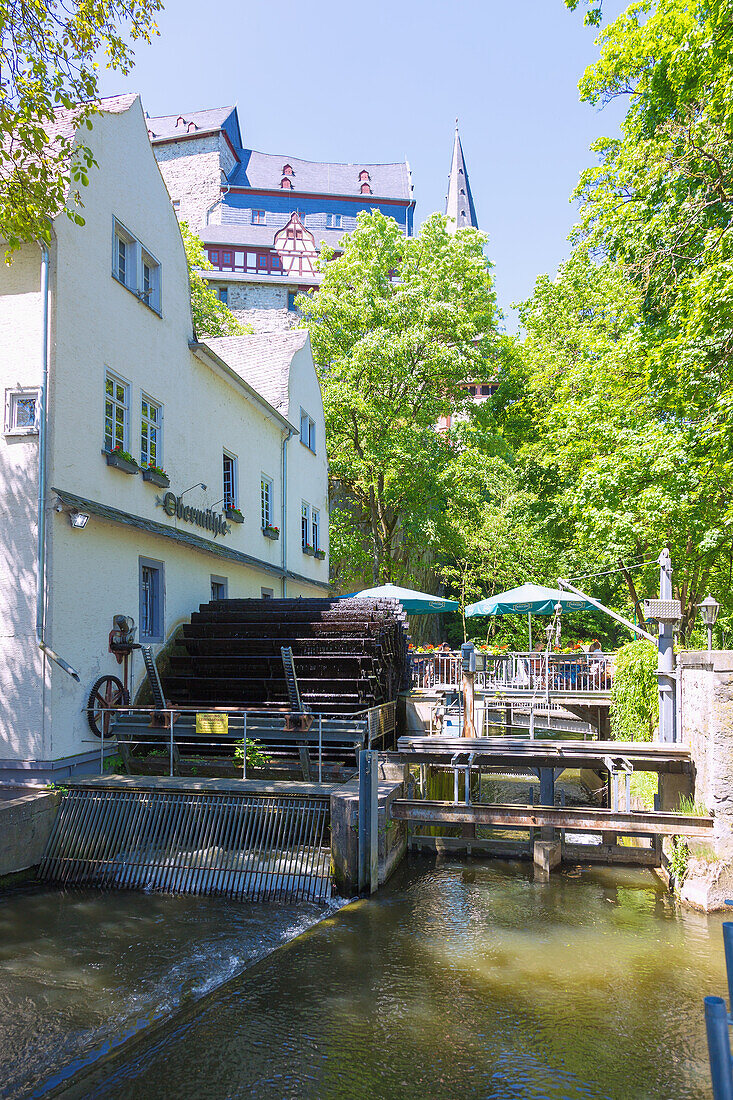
(368, 821)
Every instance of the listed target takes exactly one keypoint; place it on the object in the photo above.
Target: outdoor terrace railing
(517, 671)
(170, 733)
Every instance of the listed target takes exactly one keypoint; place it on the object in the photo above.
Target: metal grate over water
(238, 846)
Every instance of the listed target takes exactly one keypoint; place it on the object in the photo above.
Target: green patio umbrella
(414, 603)
(529, 600)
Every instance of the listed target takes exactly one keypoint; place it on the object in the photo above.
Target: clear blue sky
(378, 82)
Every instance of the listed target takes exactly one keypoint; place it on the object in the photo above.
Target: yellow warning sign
(212, 725)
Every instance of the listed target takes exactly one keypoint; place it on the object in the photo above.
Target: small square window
(214, 256)
(262, 261)
(267, 593)
(21, 411)
(219, 587)
(333, 221)
(258, 217)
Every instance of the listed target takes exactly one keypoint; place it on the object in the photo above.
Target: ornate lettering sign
(201, 517)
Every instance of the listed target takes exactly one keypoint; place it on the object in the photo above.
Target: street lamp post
(709, 609)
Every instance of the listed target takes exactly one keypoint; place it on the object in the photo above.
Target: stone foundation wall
(706, 712)
(706, 707)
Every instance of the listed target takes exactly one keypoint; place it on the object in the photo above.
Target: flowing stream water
(460, 979)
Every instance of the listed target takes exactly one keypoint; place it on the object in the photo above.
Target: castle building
(263, 217)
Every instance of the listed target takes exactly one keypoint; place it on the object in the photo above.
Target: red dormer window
(364, 176)
(192, 127)
(366, 189)
(180, 122)
(287, 170)
(286, 184)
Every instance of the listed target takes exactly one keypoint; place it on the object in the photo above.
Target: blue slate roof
(264, 171)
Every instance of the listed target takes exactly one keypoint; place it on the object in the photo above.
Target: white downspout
(41, 585)
(284, 515)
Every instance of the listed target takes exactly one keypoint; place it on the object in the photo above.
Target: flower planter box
(271, 532)
(320, 554)
(233, 515)
(121, 463)
(309, 551)
(156, 479)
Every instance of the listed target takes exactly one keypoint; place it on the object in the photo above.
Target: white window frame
(142, 274)
(334, 221)
(157, 631)
(307, 431)
(152, 425)
(123, 236)
(267, 491)
(12, 398)
(221, 582)
(116, 380)
(305, 524)
(231, 497)
(316, 528)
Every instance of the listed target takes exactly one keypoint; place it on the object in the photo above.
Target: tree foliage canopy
(396, 326)
(211, 317)
(48, 51)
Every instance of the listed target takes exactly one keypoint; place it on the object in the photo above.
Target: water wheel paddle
(106, 692)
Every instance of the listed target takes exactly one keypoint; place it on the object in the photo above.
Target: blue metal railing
(717, 1025)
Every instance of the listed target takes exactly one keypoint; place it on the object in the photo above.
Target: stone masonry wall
(265, 307)
(192, 174)
(706, 687)
(707, 727)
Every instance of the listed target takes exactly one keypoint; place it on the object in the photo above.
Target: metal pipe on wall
(41, 553)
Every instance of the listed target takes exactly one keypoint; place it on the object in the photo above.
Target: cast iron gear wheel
(107, 691)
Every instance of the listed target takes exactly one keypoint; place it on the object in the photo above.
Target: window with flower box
(266, 498)
(116, 412)
(151, 433)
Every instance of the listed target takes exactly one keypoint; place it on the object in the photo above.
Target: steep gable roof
(459, 207)
(263, 361)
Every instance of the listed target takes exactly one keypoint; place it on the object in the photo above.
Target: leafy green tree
(609, 476)
(660, 199)
(49, 76)
(396, 326)
(211, 316)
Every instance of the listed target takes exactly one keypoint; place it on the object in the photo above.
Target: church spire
(459, 207)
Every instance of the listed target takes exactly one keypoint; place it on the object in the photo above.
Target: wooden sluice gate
(224, 838)
(545, 823)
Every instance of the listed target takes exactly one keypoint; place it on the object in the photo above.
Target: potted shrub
(308, 549)
(234, 515)
(121, 460)
(156, 475)
(320, 554)
(271, 532)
